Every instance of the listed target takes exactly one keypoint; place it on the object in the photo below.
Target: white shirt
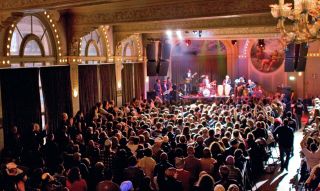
(313, 159)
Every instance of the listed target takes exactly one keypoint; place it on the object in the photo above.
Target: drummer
(206, 82)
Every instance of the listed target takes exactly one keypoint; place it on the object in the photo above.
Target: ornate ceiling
(151, 16)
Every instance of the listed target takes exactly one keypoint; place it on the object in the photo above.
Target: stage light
(292, 78)
(179, 34)
(234, 42)
(119, 85)
(188, 42)
(261, 43)
(75, 92)
(200, 33)
(169, 33)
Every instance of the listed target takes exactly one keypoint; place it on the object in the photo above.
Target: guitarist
(188, 80)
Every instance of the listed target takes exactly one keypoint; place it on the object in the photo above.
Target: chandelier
(303, 20)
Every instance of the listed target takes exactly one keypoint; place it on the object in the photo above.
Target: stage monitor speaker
(165, 52)
(152, 68)
(163, 68)
(151, 51)
(289, 64)
(301, 64)
(151, 95)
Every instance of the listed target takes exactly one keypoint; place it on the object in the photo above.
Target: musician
(250, 86)
(169, 83)
(188, 78)
(241, 85)
(226, 81)
(206, 81)
(165, 88)
(157, 88)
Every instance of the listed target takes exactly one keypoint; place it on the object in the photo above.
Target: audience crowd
(151, 146)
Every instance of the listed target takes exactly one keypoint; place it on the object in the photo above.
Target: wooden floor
(278, 180)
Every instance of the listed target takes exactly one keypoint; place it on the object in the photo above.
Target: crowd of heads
(146, 145)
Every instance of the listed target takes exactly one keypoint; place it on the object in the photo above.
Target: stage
(203, 99)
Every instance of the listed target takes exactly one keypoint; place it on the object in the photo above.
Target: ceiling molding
(226, 34)
(9, 5)
(165, 11)
(264, 19)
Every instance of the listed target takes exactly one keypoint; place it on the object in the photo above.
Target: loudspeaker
(290, 50)
(151, 95)
(301, 64)
(296, 57)
(152, 68)
(301, 61)
(163, 68)
(303, 50)
(151, 51)
(289, 64)
(165, 51)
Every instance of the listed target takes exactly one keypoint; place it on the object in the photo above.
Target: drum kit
(213, 90)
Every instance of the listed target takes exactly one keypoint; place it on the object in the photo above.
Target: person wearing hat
(14, 178)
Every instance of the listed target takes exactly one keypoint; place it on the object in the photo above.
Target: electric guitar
(189, 79)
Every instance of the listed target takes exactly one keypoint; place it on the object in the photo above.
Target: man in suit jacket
(157, 88)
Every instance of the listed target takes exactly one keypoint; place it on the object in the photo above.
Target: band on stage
(194, 85)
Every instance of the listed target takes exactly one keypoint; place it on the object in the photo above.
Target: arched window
(31, 45)
(92, 48)
(32, 48)
(127, 50)
(31, 38)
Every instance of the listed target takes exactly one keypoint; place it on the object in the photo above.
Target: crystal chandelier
(304, 18)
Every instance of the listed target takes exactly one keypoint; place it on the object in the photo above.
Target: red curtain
(213, 65)
(139, 80)
(127, 83)
(20, 99)
(56, 87)
(88, 87)
(108, 82)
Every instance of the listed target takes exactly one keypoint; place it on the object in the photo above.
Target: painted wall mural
(267, 55)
